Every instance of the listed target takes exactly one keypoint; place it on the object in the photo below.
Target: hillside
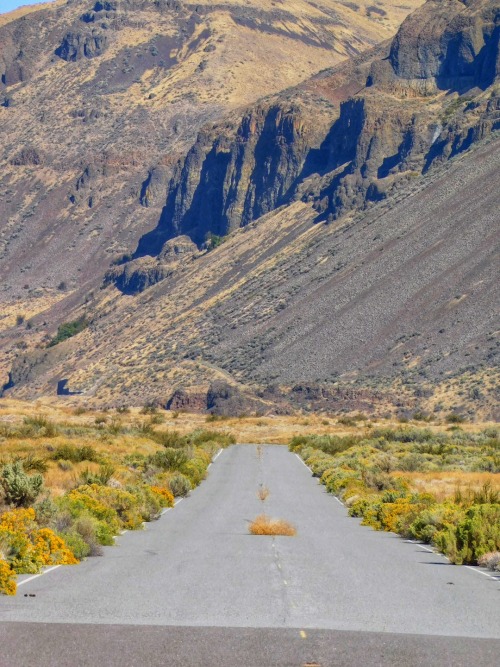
(98, 100)
(332, 245)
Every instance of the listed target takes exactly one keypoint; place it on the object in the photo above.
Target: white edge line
(485, 574)
(432, 551)
(54, 567)
(303, 462)
(217, 455)
(35, 576)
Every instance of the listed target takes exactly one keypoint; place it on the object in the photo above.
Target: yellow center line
(303, 634)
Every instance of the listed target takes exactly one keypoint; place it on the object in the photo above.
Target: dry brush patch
(264, 525)
(263, 493)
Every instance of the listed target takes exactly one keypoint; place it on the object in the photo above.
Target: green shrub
(45, 512)
(19, 488)
(39, 426)
(170, 439)
(169, 458)
(179, 485)
(68, 330)
(454, 418)
(201, 436)
(75, 454)
(404, 434)
(478, 533)
(196, 468)
(77, 544)
(102, 476)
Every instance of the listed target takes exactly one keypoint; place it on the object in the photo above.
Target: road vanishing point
(196, 589)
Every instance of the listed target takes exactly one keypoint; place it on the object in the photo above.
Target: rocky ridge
(429, 97)
(98, 100)
(355, 219)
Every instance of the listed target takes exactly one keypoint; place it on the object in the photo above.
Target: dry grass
(446, 484)
(263, 493)
(278, 429)
(263, 525)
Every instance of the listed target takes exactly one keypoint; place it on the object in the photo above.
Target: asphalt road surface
(194, 588)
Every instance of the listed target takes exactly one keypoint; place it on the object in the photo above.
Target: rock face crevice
(238, 171)
(233, 177)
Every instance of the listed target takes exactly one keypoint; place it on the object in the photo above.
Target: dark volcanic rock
(76, 46)
(154, 187)
(177, 248)
(136, 276)
(228, 181)
(454, 43)
(319, 397)
(222, 398)
(228, 400)
(235, 173)
(183, 400)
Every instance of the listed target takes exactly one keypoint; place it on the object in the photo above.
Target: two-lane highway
(202, 584)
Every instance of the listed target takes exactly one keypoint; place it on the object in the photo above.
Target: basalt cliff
(329, 245)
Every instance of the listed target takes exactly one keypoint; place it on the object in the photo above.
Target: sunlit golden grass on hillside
(264, 525)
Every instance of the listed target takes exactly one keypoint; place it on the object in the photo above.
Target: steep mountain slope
(98, 100)
(360, 209)
(405, 292)
(431, 97)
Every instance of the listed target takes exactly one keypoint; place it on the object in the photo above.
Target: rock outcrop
(221, 398)
(137, 275)
(237, 172)
(76, 46)
(453, 44)
(27, 156)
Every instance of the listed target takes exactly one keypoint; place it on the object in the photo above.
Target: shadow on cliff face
(234, 175)
(205, 214)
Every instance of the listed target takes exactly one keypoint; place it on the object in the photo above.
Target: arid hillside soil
(329, 246)
(98, 101)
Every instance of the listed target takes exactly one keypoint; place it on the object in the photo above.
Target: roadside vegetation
(264, 525)
(438, 487)
(68, 488)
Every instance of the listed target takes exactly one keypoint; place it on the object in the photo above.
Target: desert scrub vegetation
(68, 487)
(390, 478)
(68, 330)
(264, 525)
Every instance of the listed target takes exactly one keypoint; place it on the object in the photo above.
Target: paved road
(335, 592)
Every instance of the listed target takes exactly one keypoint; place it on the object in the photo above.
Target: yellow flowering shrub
(8, 584)
(167, 497)
(18, 520)
(26, 547)
(117, 508)
(52, 549)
